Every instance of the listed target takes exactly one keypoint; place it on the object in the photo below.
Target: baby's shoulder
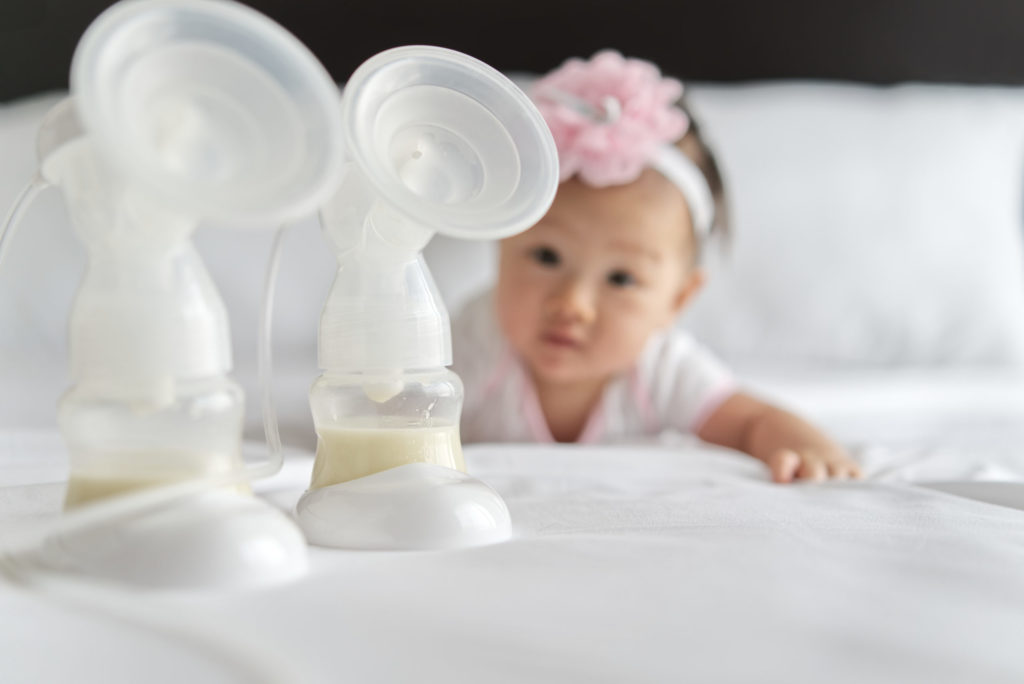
(673, 343)
(672, 352)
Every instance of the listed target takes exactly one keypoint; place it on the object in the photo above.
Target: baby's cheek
(624, 340)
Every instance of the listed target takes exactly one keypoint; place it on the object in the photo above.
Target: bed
(874, 282)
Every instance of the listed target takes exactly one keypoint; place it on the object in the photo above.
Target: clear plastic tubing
(18, 209)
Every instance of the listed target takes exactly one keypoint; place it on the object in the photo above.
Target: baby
(576, 342)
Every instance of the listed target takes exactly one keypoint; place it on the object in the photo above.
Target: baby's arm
(791, 447)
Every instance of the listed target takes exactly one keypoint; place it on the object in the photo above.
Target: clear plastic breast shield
(438, 142)
(181, 111)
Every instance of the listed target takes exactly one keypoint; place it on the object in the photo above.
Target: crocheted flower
(609, 115)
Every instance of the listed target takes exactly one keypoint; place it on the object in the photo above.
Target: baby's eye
(546, 256)
(621, 278)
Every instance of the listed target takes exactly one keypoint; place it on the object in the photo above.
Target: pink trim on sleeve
(712, 400)
(532, 412)
(642, 396)
(593, 431)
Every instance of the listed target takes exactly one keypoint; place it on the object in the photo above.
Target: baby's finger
(783, 465)
(840, 470)
(844, 468)
(854, 470)
(812, 469)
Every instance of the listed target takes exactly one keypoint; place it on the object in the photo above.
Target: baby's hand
(793, 448)
(813, 464)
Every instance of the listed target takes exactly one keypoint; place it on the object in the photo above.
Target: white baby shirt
(675, 384)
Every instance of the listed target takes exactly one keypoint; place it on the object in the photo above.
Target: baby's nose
(573, 301)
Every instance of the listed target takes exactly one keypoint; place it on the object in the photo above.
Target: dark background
(875, 41)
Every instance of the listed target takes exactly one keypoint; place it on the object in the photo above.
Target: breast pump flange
(181, 111)
(438, 142)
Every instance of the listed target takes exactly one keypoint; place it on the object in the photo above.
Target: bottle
(386, 397)
(366, 423)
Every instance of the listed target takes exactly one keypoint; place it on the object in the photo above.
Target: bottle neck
(147, 311)
(384, 310)
(143, 321)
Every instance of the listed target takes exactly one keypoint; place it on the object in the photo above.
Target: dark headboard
(874, 41)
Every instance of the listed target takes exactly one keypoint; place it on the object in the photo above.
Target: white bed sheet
(643, 564)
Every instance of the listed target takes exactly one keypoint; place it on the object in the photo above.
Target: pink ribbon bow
(609, 116)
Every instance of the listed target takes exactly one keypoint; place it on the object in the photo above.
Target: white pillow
(871, 225)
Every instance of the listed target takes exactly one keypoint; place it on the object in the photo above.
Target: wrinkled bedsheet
(644, 563)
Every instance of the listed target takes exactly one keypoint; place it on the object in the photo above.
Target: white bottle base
(217, 540)
(414, 506)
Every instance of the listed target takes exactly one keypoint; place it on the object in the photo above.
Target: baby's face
(580, 293)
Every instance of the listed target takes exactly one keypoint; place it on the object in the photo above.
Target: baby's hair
(692, 144)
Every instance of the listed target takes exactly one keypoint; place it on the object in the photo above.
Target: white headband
(684, 174)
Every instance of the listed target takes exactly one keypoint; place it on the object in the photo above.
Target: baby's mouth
(559, 339)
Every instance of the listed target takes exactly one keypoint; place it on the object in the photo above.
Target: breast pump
(181, 111)
(437, 142)
(190, 110)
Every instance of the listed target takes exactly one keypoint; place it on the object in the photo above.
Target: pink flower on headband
(609, 115)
